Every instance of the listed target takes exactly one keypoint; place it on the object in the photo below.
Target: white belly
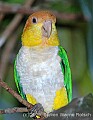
(40, 73)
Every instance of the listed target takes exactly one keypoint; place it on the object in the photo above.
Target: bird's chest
(40, 72)
(39, 69)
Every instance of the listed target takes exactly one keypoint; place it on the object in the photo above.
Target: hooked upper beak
(47, 28)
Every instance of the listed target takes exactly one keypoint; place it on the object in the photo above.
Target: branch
(14, 23)
(14, 8)
(15, 94)
(78, 109)
(14, 110)
(6, 53)
(1, 16)
(7, 8)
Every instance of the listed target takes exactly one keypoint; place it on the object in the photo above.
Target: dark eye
(34, 20)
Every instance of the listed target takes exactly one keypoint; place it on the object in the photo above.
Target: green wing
(17, 81)
(66, 71)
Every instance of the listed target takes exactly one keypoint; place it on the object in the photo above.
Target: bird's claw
(37, 110)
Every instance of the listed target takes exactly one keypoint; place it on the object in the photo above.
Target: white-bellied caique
(41, 69)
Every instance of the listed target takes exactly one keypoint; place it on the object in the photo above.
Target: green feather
(17, 81)
(66, 71)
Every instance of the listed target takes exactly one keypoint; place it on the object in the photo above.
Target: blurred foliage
(14, 1)
(73, 37)
(67, 6)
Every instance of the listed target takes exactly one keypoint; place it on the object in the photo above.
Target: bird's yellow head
(40, 30)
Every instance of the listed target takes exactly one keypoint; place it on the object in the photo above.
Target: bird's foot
(37, 111)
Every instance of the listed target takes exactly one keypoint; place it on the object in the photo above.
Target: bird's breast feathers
(40, 73)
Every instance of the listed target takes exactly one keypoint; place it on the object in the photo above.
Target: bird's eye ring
(34, 20)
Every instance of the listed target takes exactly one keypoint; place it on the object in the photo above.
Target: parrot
(41, 69)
